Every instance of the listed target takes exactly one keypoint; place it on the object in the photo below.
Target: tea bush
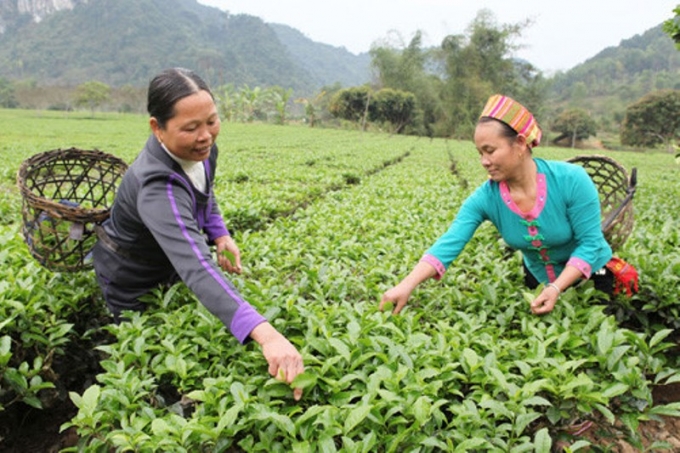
(37, 310)
(465, 367)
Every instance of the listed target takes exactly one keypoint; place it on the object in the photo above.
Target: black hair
(170, 86)
(507, 132)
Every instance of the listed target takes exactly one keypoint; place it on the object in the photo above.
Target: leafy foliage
(575, 124)
(92, 94)
(672, 27)
(7, 94)
(248, 104)
(35, 331)
(351, 104)
(360, 104)
(653, 120)
(394, 107)
(464, 367)
(452, 83)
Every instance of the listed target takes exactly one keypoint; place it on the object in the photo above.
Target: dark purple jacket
(160, 217)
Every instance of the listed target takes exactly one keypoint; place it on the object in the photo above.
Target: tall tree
(280, 97)
(393, 106)
(479, 64)
(250, 101)
(574, 124)
(313, 106)
(452, 83)
(352, 104)
(227, 101)
(653, 120)
(92, 94)
(403, 68)
(400, 68)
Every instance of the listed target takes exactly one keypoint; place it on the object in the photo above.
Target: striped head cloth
(514, 115)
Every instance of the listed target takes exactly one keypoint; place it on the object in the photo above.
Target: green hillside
(324, 62)
(123, 42)
(617, 76)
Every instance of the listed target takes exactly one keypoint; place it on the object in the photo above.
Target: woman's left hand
(226, 243)
(545, 302)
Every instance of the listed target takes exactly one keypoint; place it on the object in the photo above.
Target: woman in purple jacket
(165, 218)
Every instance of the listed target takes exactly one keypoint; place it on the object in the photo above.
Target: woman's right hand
(285, 362)
(398, 296)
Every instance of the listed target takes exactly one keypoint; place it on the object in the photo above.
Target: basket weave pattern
(65, 194)
(612, 183)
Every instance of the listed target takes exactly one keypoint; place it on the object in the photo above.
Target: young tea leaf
(230, 256)
(542, 441)
(90, 400)
(356, 416)
(304, 380)
(528, 297)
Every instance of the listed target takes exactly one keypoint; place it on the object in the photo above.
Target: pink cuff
(581, 265)
(434, 262)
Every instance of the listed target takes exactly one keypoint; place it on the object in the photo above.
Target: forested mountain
(324, 62)
(48, 43)
(125, 42)
(619, 75)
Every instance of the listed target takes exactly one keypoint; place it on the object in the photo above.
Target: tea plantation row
(327, 221)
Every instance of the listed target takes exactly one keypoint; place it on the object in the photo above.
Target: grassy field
(327, 220)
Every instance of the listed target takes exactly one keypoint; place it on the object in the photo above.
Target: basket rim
(599, 157)
(55, 208)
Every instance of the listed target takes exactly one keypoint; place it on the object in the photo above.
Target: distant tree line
(447, 87)
(247, 104)
(451, 82)
(436, 92)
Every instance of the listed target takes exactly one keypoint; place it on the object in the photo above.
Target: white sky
(563, 33)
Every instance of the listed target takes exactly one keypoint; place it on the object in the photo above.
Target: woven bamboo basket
(65, 193)
(616, 191)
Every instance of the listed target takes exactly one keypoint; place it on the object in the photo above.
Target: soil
(30, 430)
(667, 430)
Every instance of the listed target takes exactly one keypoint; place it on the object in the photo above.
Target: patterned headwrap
(514, 115)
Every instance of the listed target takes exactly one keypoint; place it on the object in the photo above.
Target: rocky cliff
(16, 10)
(38, 9)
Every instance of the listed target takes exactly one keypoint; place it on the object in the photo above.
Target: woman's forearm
(568, 277)
(423, 271)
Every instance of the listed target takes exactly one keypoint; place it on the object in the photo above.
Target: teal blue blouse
(564, 226)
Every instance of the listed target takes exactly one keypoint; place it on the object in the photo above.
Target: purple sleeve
(214, 225)
(166, 210)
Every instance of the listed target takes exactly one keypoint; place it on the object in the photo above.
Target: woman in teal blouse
(550, 210)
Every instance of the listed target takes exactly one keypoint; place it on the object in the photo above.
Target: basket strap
(117, 249)
(630, 193)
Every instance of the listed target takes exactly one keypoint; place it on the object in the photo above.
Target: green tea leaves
(354, 417)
